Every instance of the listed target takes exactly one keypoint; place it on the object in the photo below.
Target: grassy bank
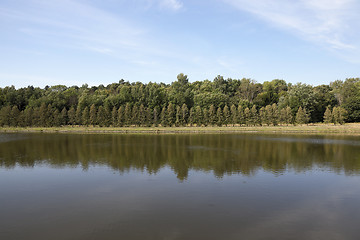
(350, 128)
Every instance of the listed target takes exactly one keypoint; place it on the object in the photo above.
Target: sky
(73, 42)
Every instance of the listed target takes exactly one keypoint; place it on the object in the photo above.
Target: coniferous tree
(198, 116)
(184, 114)
(178, 116)
(28, 116)
(163, 117)
(114, 117)
(289, 116)
(339, 115)
(93, 115)
(101, 116)
(149, 116)
(247, 116)
(226, 115)
(241, 116)
(56, 118)
(301, 116)
(142, 115)
(268, 115)
(85, 117)
(78, 117)
(234, 115)
(219, 117)
(135, 116)
(36, 117)
(156, 116)
(274, 114)
(63, 116)
(21, 119)
(254, 115)
(127, 114)
(14, 116)
(282, 118)
(5, 116)
(205, 120)
(170, 114)
(191, 116)
(43, 115)
(49, 116)
(212, 115)
(121, 116)
(262, 116)
(107, 116)
(328, 117)
(72, 116)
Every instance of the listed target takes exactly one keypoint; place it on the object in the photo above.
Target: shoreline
(346, 129)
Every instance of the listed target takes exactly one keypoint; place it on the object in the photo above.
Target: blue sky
(72, 42)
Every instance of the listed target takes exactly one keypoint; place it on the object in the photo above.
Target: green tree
(57, 118)
(170, 114)
(191, 116)
(247, 116)
(78, 116)
(234, 115)
(184, 114)
(254, 115)
(121, 116)
(142, 115)
(268, 115)
(149, 116)
(205, 120)
(156, 116)
(163, 117)
(93, 115)
(101, 116)
(64, 116)
(114, 117)
(135, 115)
(241, 116)
(289, 116)
(282, 118)
(262, 116)
(127, 114)
(301, 116)
(85, 117)
(28, 116)
(178, 116)
(14, 116)
(198, 116)
(328, 117)
(212, 115)
(226, 115)
(274, 114)
(339, 115)
(219, 116)
(43, 115)
(72, 116)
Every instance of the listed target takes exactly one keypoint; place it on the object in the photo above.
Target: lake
(179, 186)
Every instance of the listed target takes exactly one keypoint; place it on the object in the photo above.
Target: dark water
(59, 186)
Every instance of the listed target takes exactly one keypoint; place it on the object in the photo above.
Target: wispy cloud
(171, 4)
(75, 25)
(326, 22)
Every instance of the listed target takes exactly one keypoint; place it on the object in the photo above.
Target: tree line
(221, 102)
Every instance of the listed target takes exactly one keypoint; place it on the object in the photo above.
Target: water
(226, 186)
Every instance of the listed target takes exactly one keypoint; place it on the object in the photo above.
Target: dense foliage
(202, 103)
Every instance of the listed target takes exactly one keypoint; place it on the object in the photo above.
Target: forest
(221, 102)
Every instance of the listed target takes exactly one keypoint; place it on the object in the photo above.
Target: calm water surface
(229, 186)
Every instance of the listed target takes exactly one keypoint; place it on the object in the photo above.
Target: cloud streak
(75, 25)
(171, 4)
(326, 22)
